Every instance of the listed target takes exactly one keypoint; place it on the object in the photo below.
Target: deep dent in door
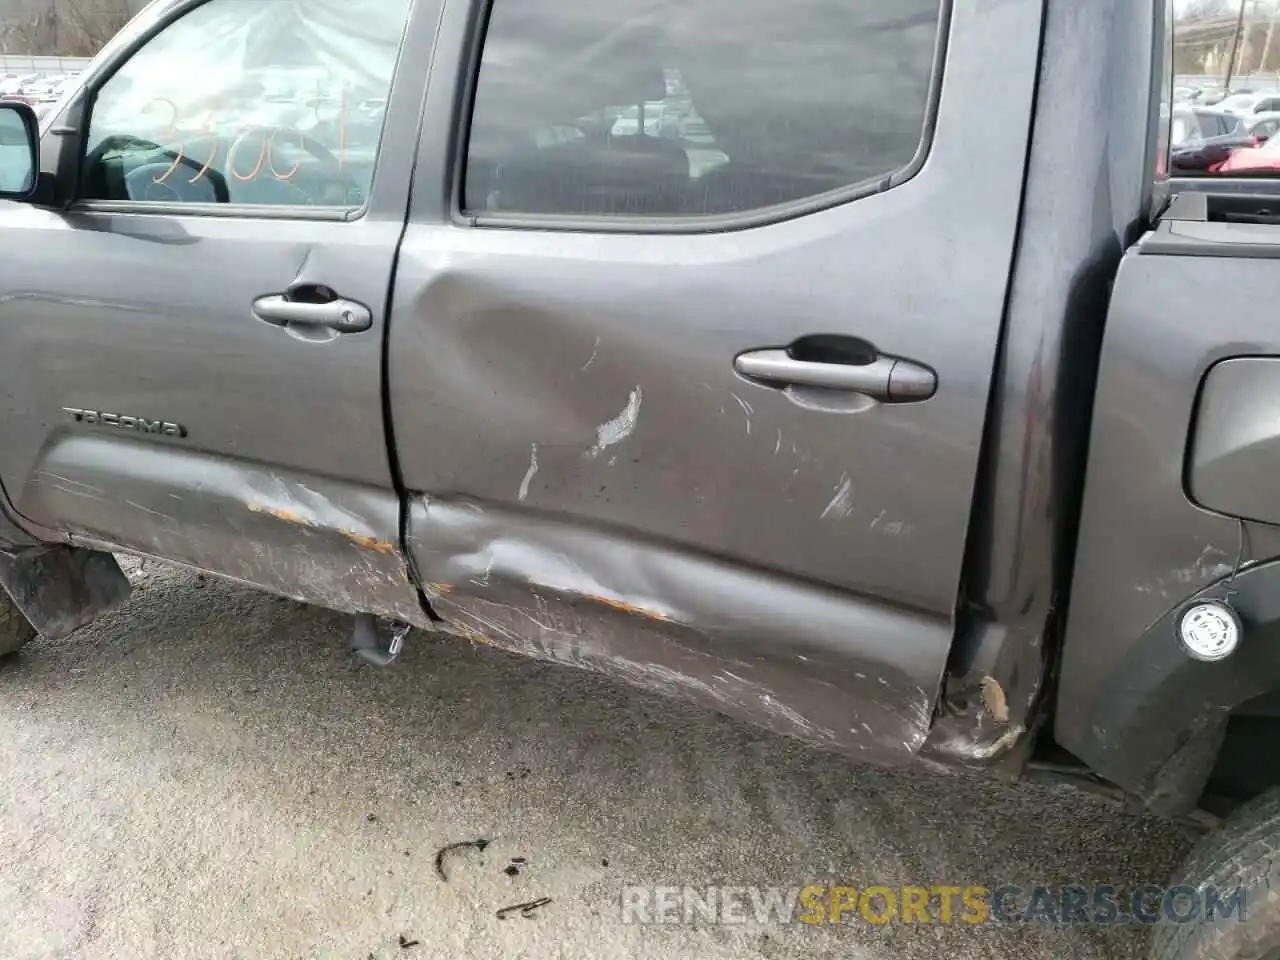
(797, 659)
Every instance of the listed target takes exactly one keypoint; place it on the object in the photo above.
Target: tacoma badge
(123, 422)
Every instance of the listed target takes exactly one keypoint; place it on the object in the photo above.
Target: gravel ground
(208, 773)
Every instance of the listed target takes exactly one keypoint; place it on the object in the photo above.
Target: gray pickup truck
(854, 367)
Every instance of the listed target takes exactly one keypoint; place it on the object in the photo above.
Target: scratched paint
(620, 427)
(591, 359)
(891, 528)
(1177, 582)
(530, 473)
(747, 410)
(841, 504)
(75, 488)
(313, 523)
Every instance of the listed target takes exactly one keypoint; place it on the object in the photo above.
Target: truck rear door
(692, 339)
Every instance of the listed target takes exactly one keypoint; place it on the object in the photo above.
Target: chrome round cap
(1210, 630)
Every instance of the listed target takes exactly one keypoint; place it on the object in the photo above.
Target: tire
(15, 630)
(1244, 852)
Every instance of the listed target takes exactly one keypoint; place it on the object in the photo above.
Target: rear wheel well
(1248, 763)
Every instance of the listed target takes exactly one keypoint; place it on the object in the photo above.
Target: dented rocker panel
(329, 542)
(833, 670)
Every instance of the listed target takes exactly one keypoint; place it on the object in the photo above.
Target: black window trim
(464, 106)
(85, 99)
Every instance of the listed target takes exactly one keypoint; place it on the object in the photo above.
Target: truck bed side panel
(1130, 699)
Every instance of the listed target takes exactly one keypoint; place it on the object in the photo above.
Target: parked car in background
(41, 92)
(1243, 103)
(1202, 137)
(1192, 124)
(34, 88)
(13, 85)
(1262, 126)
(1264, 159)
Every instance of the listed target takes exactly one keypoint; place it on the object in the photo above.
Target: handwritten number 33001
(266, 149)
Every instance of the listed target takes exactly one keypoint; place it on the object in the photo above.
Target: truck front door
(191, 351)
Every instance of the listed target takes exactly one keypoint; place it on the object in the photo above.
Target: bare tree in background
(1221, 36)
(1268, 44)
(67, 28)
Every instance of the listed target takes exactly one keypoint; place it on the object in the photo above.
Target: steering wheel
(157, 178)
(252, 158)
(161, 181)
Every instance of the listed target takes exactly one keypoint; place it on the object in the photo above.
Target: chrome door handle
(344, 316)
(887, 379)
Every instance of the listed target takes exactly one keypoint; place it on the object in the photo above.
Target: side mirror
(19, 151)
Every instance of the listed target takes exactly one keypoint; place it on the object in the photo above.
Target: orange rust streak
(372, 543)
(280, 513)
(628, 607)
(292, 516)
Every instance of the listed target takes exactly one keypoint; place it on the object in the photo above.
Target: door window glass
(251, 102)
(694, 107)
